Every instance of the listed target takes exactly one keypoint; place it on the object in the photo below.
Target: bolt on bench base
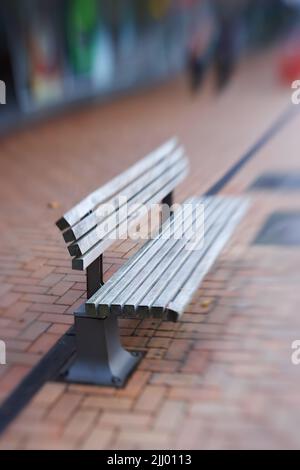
(100, 358)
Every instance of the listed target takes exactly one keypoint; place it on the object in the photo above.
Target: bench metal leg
(168, 200)
(94, 276)
(100, 357)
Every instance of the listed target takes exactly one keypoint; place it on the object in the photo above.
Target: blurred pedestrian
(229, 44)
(202, 45)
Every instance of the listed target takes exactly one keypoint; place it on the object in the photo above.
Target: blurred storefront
(54, 53)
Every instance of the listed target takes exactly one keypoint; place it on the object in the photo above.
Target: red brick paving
(222, 376)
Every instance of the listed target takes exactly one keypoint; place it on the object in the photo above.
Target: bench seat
(162, 277)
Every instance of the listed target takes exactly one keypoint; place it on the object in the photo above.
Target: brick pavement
(229, 357)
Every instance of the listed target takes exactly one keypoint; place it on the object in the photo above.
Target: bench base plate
(100, 358)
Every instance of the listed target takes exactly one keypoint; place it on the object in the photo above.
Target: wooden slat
(135, 209)
(115, 217)
(115, 289)
(153, 273)
(161, 279)
(175, 276)
(176, 307)
(98, 217)
(114, 186)
(83, 261)
(100, 232)
(132, 267)
(139, 278)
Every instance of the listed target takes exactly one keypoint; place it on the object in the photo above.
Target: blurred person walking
(202, 45)
(230, 14)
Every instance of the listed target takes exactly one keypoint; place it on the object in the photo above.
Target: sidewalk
(221, 377)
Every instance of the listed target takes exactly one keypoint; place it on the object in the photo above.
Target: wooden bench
(160, 279)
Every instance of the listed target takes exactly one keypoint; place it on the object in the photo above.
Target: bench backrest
(147, 182)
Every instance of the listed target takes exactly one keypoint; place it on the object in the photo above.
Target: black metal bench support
(100, 358)
(168, 200)
(94, 276)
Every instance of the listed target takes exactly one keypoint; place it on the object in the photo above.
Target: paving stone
(150, 398)
(98, 439)
(64, 408)
(33, 331)
(49, 394)
(103, 403)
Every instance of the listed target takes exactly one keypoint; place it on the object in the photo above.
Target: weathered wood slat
(153, 274)
(100, 232)
(162, 277)
(142, 276)
(175, 308)
(123, 287)
(82, 262)
(97, 216)
(135, 210)
(132, 267)
(116, 185)
(188, 262)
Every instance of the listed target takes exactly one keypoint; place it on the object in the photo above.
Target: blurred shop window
(89, 42)
(35, 43)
